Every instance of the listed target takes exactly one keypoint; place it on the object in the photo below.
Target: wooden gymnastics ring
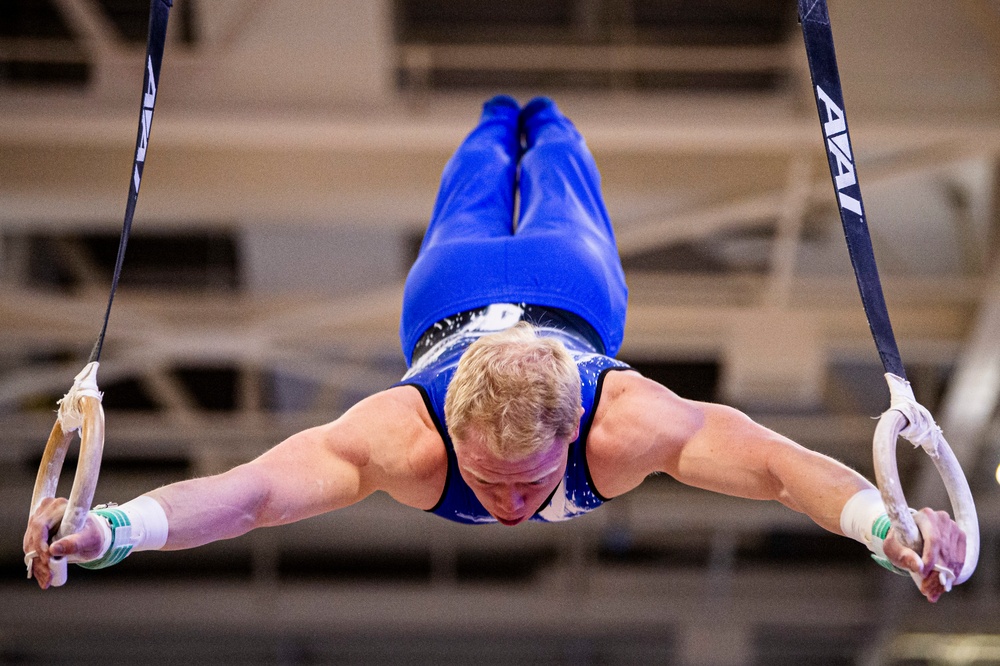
(907, 418)
(80, 409)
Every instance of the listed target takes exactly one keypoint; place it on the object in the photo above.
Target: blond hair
(516, 389)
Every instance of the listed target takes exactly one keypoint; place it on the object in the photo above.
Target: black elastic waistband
(535, 315)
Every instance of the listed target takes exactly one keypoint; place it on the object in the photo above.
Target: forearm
(299, 478)
(814, 484)
(211, 508)
(731, 453)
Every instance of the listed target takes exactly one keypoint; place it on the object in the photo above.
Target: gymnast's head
(512, 409)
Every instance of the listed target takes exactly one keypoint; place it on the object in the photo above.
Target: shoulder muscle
(385, 442)
(393, 437)
(639, 426)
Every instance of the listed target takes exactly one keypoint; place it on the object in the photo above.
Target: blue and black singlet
(435, 365)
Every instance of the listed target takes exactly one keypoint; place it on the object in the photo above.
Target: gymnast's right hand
(83, 546)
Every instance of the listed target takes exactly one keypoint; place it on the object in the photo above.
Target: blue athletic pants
(563, 252)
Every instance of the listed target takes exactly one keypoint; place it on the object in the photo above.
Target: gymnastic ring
(887, 433)
(81, 410)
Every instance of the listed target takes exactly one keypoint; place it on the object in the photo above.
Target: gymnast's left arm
(647, 428)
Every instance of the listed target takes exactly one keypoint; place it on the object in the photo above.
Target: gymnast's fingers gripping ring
(908, 418)
(79, 410)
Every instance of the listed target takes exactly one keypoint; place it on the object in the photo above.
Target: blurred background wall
(293, 164)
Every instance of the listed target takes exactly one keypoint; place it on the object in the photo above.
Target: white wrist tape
(149, 523)
(865, 520)
(137, 525)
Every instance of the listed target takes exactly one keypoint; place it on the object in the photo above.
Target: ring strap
(815, 19)
(159, 11)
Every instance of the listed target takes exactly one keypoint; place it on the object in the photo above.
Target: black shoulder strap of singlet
(815, 20)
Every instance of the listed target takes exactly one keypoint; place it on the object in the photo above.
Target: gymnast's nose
(510, 501)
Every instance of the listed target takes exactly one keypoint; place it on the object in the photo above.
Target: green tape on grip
(886, 564)
(880, 528)
(116, 553)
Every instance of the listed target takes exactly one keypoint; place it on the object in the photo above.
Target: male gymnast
(513, 407)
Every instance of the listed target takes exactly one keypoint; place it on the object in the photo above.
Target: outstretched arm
(382, 443)
(647, 428)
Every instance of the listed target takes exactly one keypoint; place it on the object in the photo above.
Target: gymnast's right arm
(385, 442)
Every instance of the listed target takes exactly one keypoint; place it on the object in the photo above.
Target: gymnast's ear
(576, 433)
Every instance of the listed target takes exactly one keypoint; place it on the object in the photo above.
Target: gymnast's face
(512, 491)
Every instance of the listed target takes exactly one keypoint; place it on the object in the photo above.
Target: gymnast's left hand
(944, 550)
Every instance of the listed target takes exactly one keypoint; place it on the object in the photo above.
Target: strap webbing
(815, 20)
(159, 11)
